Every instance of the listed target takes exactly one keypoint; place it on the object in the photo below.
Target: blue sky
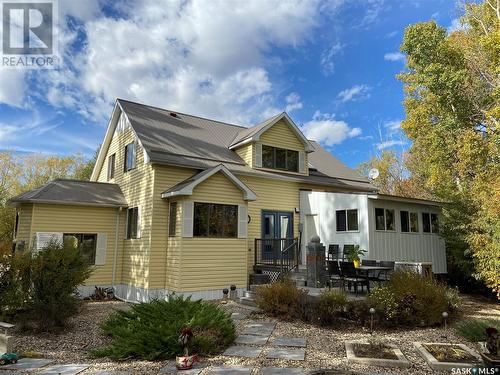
(331, 65)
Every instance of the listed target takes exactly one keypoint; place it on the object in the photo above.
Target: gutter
(115, 254)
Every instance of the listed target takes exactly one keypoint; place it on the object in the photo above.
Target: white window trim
(385, 221)
(346, 221)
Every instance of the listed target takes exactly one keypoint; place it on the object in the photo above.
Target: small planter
(185, 363)
(393, 356)
(491, 360)
(445, 357)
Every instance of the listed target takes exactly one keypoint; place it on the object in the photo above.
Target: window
(132, 222)
(384, 219)
(129, 157)
(82, 242)
(280, 158)
(172, 219)
(111, 167)
(430, 223)
(409, 222)
(347, 220)
(16, 226)
(215, 220)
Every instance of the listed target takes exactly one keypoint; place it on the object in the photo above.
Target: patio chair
(368, 262)
(351, 277)
(386, 275)
(333, 252)
(334, 273)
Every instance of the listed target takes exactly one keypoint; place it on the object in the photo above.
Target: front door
(277, 232)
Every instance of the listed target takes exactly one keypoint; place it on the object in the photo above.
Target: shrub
(151, 330)
(282, 299)
(474, 329)
(412, 299)
(358, 311)
(330, 307)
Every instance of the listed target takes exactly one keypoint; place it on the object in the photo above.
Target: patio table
(365, 270)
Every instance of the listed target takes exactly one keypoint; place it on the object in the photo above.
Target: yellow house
(179, 203)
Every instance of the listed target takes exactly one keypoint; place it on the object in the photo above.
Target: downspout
(115, 255)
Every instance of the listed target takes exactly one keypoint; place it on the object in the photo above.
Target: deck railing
(282, 253)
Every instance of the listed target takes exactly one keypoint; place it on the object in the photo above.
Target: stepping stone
(171, 369)
(290, 341)
(231, 370)
(251, 340)
(281, 371)
(242, 351)
(259, 328)
(26, 364)
(286, 353)
(71, 369)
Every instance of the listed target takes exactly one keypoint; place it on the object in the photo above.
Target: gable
(281, 135)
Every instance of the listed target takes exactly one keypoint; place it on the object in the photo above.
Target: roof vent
(173, 114)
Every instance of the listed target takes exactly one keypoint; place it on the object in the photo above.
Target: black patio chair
(368, 262)
(333, 252)
(386, 275)
(351, 277)
(334, 273)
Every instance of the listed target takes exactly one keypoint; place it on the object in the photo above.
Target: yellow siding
(281, 135)
(24, 227)
(137, 187)
(82, 219)
(246, 153)
(165, 260)
(272, 195)
(213, 263)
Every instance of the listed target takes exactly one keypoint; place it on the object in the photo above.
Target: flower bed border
(351, 356)
(444, 366)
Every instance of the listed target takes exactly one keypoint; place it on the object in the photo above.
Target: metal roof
(65, 191)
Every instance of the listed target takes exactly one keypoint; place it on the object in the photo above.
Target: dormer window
(129, 161)
(280, 158)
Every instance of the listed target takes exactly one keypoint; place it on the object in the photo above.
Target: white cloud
(12, 89)
(388, 144)
(455, 25)
(393, 125)
(394, 56)
(201, 56)
(325, 129)
(293, 102)
(327, 64)
(357, 92)
(392, 34)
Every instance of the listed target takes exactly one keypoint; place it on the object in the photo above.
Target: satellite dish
(373, 174)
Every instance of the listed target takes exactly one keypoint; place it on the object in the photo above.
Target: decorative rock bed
(468, 358)
(398, 360)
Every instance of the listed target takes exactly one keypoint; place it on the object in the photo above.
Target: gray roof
(65, 191)
(184, 140)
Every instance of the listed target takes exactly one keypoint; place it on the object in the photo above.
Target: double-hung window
(129, 157)
(347, 220)
(132, 223)
(215, 220)
(83, 242)
(409, 222)
(384, 219)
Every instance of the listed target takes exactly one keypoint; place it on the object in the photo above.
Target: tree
(452, 104)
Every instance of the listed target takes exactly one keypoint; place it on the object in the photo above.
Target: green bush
(151, 330)
(282, 299)
(358, 311)
(474, 329)
(39, 288)
(411, 299)
(330, 307)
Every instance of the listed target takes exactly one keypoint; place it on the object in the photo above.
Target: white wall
(381, 245)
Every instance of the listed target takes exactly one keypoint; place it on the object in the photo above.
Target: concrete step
(248, 293)
(248, 301)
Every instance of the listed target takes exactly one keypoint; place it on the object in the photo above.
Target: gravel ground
(325, 347)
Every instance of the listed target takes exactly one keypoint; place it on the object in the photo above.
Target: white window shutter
(258, 155)
(139, 222)
(42, 239)
(242, 221)
(302, 162)
(187, 218)
(100, 249)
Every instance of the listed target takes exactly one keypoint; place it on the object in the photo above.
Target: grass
(474, 329)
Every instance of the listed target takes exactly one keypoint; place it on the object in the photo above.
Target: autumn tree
(452, 104)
